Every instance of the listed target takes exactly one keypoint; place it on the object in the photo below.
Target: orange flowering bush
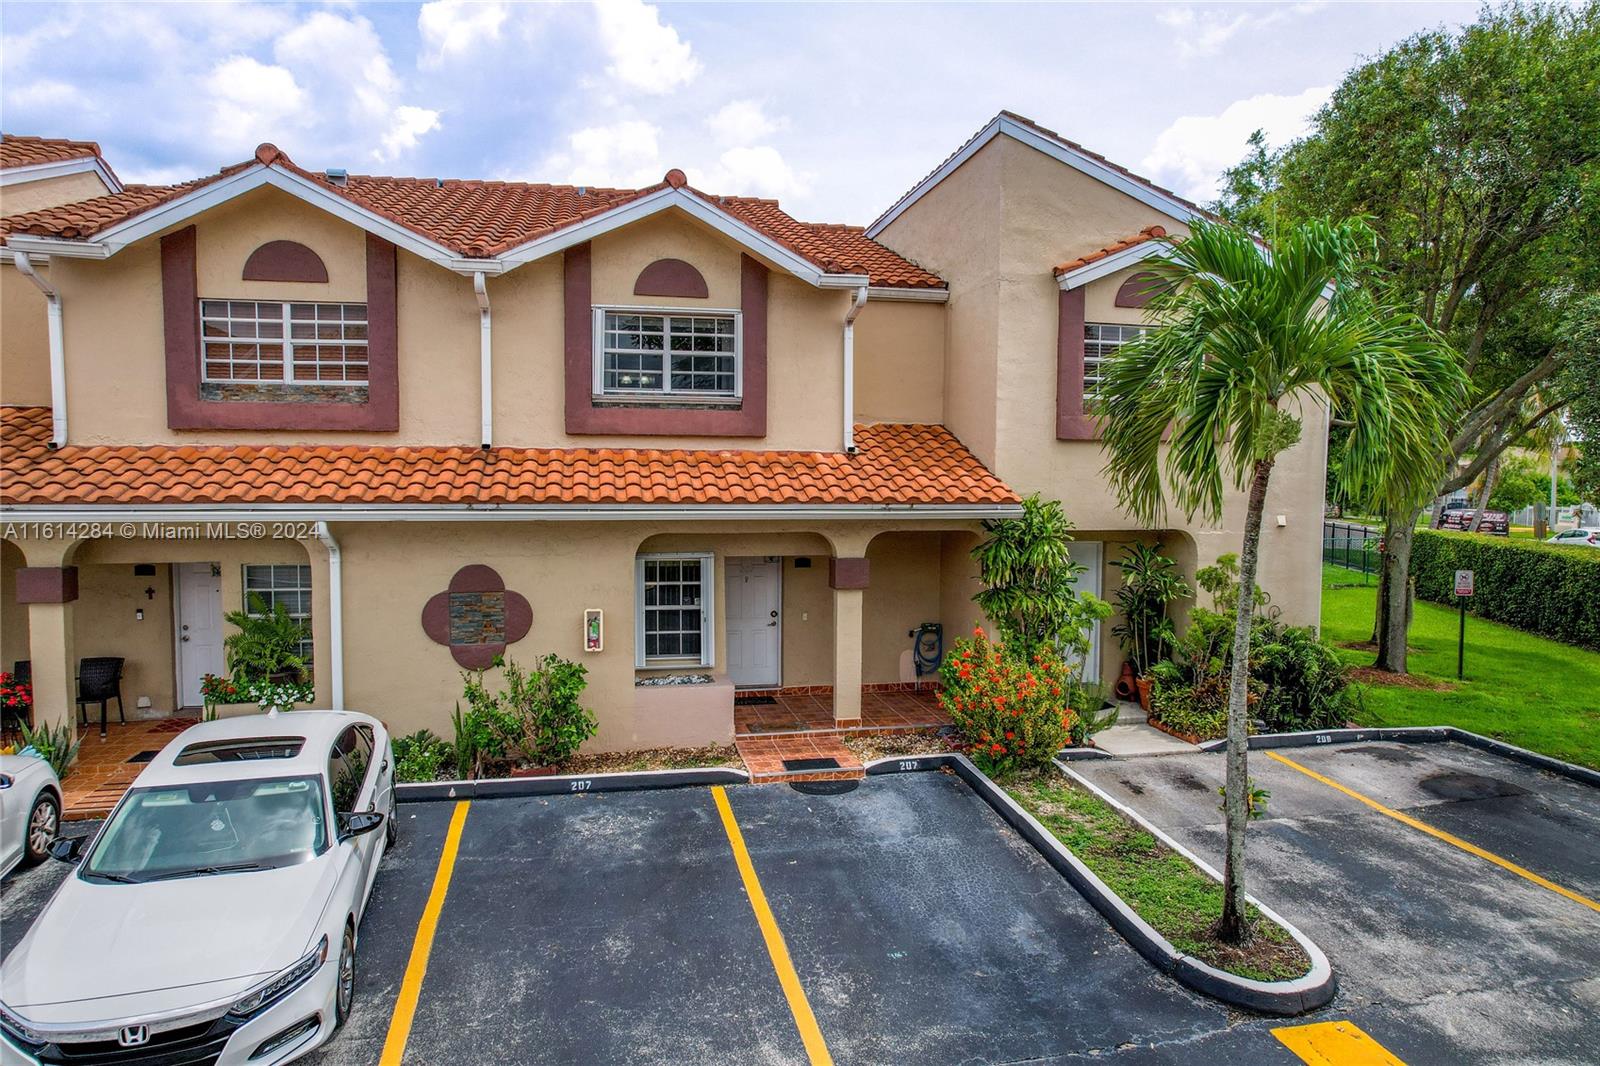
(1012, 712)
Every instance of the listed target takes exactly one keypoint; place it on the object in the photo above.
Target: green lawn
(1536, 693)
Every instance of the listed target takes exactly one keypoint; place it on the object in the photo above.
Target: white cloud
(1191, 154)
(451, 29)
(1200, 33)
(257, 100)
(624, 154)
(645, 53)
(760, 170)
(741, 122)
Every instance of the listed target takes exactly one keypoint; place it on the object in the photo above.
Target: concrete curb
(568, 784)
(1303, 994)
(1416, 735)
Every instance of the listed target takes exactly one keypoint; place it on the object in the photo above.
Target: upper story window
(660, 355)
(258, 342)
(1100, 342)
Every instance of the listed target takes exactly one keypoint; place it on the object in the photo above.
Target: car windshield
(170, 831)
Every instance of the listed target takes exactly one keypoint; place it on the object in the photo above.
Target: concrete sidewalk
(1134, 735)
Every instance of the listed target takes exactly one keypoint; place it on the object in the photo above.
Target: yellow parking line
(799, 1006)
(1334, 1044)
(1439, 834)
(405, 1007)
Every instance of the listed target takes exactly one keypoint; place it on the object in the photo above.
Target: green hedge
(1540, 588)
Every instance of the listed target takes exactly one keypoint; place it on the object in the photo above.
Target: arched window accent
(285, 261)
(671, 277)
(1138, 289)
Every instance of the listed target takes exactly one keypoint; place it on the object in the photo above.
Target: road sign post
(1464, 588)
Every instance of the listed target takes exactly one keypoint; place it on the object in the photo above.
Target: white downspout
(58, 350)
(485, 357)
(856, 305)
(335, 616)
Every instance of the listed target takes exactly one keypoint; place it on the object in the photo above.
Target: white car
(1586, 537)
(214, 918)
(30, 810)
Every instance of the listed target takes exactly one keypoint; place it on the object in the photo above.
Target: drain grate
(811, 764)
(753, 701)
(144, 756)
(824, 788)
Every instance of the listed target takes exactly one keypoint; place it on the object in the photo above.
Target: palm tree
(1245, 337)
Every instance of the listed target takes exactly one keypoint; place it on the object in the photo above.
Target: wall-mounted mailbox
(594, 629)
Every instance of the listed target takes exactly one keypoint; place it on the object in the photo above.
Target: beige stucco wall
(106, 623)
(899, 357)
(904, 592)
(13, 618)
(24, 340)
(50, 192)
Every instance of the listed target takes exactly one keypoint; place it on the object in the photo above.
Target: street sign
(1463, 582)
(1463, 590)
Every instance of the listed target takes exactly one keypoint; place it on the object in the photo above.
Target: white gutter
(58, 350)
(335, 615)
(485, 358)
(254, 520)
(856, 305)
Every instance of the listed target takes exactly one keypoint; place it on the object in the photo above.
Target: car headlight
(285, 982)
(18, 1028)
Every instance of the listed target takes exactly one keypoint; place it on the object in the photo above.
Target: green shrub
(1012, 712)
(1197, 709)
(420, 756)
(1540, 588)
(536, 718)
(267, 644)
(1303, 685)
(54, 744)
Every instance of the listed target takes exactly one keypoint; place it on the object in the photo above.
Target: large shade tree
(1246, 340)
(1475, 156)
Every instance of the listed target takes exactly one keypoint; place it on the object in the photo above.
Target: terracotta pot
(1124, 688)
(533, 771)
(1143, 685)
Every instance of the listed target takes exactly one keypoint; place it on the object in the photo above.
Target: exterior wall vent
(337, 176)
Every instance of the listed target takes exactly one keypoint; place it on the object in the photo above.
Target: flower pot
(1124, 688)
(1143, 685)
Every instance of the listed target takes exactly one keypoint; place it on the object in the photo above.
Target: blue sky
(835, 109)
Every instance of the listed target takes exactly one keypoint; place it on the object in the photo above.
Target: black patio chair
(100, 681)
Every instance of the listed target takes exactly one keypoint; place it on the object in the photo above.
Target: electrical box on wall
(594, 629)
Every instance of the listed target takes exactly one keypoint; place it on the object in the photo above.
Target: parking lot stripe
(799, 1006)
(405, 1006)
(1439, 834)
(1334, 1044)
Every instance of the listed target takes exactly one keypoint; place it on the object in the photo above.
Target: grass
(1524, 689)
(1179, 900)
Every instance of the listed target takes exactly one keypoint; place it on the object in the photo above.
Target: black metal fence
(1352, 546)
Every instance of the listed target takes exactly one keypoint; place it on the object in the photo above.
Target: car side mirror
(67, 849)
(359, 823)
(5, 780)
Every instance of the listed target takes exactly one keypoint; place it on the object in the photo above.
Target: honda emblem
(134, 1035)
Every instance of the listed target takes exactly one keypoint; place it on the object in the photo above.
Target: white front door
(754, 610)
(1090, 554)
(199, 627)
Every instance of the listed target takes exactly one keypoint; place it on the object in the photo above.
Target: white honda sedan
(30, 810)
(214, 917)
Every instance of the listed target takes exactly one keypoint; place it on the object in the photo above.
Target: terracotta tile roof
(1149, 233)
(480, 219)
(895, 464)
(22, 151)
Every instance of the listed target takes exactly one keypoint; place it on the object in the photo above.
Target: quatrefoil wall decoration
(477, 616)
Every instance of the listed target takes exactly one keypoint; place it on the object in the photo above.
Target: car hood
(104, 951)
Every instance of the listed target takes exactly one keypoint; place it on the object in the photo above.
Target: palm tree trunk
(1394, 606)
(1236, 799)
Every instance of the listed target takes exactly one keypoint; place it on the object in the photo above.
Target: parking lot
(904, 922)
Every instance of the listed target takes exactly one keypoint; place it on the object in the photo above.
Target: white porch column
(47, 589)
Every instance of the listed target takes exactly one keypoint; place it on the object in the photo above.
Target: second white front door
(754, 609)
(199, 628)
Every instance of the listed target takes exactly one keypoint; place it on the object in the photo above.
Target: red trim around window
(180, 303)
(585, 416)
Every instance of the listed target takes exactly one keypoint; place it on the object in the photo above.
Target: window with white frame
(674, 614)
(272, 342)
(1100, 342)
(658, 354)
(269, 584)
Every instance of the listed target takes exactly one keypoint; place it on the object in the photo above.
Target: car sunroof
(248, 750)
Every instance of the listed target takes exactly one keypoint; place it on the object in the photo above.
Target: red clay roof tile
(894, 464)
(1149, 233)
(22, 151)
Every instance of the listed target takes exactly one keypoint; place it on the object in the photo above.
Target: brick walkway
(103, 773)
(765, 757)
(811, 710)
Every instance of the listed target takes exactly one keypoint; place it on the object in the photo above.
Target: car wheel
(391, 830)
(44, 823)
(345, 994)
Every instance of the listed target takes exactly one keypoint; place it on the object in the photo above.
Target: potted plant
(1150, 581)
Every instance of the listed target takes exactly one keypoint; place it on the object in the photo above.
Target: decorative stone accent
(288, 392)
(477, 616)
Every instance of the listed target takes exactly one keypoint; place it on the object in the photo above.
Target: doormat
(824, 788)
(812, 764)
(753, 701)
(144, 756)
